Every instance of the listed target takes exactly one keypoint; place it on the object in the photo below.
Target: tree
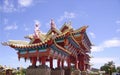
(118, 69)
(108, 67)
(22, 71)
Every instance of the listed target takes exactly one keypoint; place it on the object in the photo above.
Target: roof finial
(36, 31)
(70, 24)
(52, 24)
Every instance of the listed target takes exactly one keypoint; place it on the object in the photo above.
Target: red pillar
(62, 63)
(83, 65)
(34, 60)
(19, 58)
(51, 62)
(82, 62)
(39, 59)
(86, 66)
(76, 64)
(43, 60)
(79, 64)
(18, 55)
(25, 59)
(69, 63)
(58, 63)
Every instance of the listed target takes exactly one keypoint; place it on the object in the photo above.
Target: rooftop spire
(36, 31)
(52, 24)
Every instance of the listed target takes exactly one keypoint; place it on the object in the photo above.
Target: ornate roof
(39, 40)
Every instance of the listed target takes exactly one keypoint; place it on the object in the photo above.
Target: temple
(65, 45)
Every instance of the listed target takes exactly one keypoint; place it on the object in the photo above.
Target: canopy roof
(39, 39)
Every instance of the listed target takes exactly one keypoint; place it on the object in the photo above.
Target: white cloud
(117, 64)
(25, 3)
(5, 21)
(118, 30)
(118, 22)
(26, 28)
(97, 48)
(102, 60)
(11, 27)
(111, 43)
(0, 7)
(8, 6)
(115, 42)
(92, 34)
(47, 25)
(67, 15)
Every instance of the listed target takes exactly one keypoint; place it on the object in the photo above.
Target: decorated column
(51, 62)
(33, 60)
(43, 60)
(76, 64)
(58, 63)
(68, 63)
(62, 63)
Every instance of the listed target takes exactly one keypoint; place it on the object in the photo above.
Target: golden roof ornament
(52, 24)
(36, 31)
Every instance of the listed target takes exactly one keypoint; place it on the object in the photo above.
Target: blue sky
(18, 17)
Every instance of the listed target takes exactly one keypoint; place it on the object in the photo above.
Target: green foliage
(21, 72)
(108, 67)
(105, 68)
(118, 69)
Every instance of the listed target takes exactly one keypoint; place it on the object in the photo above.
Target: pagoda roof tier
(66, 27)
(61, 48)
(24, 44)
(54, 51)
(55, 39)
(81, 37)
(28, 46)
(39, 46)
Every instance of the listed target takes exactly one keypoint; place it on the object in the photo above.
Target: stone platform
(67, 71)
(58, 71)
(40, 70)
(45, 70)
